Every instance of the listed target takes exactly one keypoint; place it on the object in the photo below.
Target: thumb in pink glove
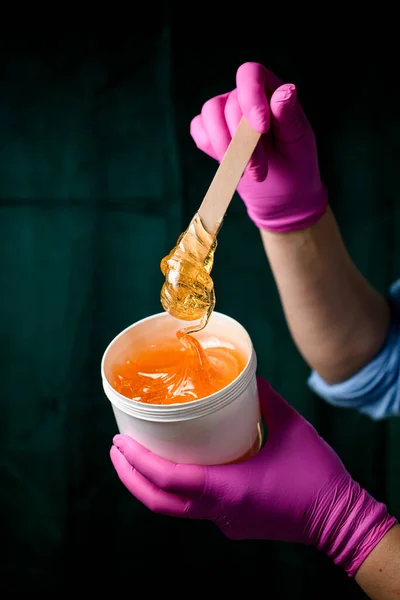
(296, 489)
(281, 186)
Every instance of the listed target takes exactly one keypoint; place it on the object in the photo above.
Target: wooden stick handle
(220, 193)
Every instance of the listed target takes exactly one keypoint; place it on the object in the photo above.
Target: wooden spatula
(220, 193)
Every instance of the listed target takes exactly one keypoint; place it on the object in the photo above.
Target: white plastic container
(222, 428)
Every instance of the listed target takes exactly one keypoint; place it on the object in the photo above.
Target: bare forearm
(379, 575)
(338, 321)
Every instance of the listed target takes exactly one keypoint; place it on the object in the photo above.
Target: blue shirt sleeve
(375, 390)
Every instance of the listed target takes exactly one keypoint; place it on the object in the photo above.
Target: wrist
(351, 525)
(283, 214)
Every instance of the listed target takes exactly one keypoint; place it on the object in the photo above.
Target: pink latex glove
(281, 187)
(296, 489)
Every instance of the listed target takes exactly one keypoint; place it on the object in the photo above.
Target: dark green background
(98, 176)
